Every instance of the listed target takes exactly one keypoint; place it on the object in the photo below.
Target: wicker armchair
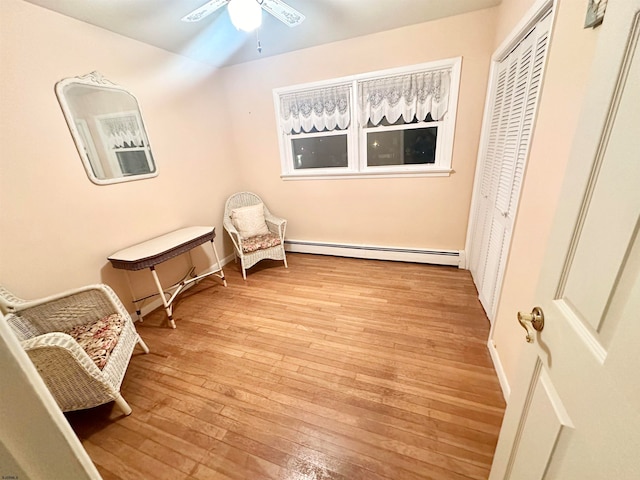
(269, 245)
(80, 341)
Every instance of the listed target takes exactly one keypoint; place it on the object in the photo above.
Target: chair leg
(142, 344)
(244, 272)
(124, 406)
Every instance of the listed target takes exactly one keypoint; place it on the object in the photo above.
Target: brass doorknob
(535, 319)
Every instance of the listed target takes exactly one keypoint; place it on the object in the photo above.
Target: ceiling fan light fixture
(245, 15)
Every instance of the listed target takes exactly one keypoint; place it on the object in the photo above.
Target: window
(133, 162)
(394, 122)
(406, 144)
(316, 124)
(321, 150)
(126, 146)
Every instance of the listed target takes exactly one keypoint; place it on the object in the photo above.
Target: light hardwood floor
(335, 368)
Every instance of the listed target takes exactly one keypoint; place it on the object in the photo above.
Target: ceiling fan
(247, 14)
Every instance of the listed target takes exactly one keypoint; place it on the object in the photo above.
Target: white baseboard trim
(463, 260)
(228, 259)
(497, 364)
(157, 302)
(436, 257)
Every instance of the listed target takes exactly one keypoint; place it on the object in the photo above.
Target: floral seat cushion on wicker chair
(260, 242)
(99, 338)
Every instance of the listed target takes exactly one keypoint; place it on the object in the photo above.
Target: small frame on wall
(595, 13)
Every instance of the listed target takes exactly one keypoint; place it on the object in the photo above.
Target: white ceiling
(216, 42)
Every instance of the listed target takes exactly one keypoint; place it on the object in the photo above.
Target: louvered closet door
(508, 135)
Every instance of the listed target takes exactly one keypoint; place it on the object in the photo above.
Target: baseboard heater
(435, 257)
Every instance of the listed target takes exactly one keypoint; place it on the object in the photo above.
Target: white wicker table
(150, 253)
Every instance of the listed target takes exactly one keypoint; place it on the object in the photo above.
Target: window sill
(353, 175)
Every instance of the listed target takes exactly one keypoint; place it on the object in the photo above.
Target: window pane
(402, 147)
(320, 152)
(133, 162)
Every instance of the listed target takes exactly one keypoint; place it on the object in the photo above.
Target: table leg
(167, 305)
(215, 252)
(133, 296)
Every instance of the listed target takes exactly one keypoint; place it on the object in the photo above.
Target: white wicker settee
(80, 341)
(251, 247)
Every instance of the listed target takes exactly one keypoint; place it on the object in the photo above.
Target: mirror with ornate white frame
(106, 125)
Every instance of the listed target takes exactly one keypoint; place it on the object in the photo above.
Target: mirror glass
(106, 124)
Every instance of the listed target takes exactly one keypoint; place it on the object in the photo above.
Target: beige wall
(57, 226)
(568, 64)
(510, 12)
(427, 213)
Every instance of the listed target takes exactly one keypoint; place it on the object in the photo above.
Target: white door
(508, 130)
(574, 413)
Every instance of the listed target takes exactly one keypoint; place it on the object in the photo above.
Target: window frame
(325, 170)
(401, 168)
(357, 135)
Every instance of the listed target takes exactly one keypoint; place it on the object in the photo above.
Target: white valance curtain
(324, 108)
(413, 95)
(122, 132)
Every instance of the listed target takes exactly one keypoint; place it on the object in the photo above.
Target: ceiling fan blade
(205, 10)
(282, 12)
